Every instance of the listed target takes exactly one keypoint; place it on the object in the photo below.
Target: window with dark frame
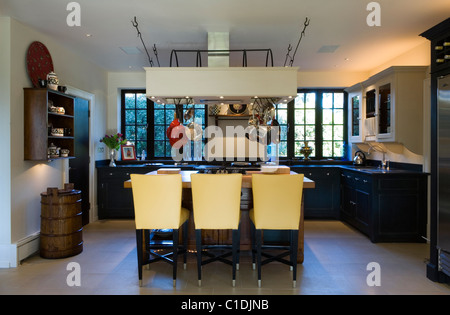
(144, 123)
(135, 119)
(317, 117)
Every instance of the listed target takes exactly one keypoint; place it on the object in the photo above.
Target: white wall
(329, 79)
(28, 179)
(5, 131)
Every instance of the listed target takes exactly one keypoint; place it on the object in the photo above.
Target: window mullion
(291, 129)
(150, 129)
(319, 126)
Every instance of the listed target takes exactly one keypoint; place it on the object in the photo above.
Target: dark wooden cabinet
(115, 201)
(323, 201)
(39, 120)
(355, 199)
(387, 207)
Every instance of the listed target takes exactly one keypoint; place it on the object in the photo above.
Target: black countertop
(371, 168)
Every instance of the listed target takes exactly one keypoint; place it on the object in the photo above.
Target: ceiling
(251, 24)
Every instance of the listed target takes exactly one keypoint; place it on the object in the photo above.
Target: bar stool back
(157, 205)
(216, 205)
(277, 201)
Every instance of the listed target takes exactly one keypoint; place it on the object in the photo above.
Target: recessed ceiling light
(328, 49)
(88, 35)
(131, 50)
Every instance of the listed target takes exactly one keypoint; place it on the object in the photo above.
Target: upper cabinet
(355, 113)
(390, 109)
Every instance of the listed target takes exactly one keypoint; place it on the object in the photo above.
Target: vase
(306, 150)
(112, 156)
(52, 81)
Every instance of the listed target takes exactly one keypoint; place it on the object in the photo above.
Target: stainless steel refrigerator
(443, 237)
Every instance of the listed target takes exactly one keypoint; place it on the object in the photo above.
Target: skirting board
(27, 246)
(12, 254)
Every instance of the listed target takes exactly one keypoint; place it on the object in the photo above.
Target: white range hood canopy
(220, 85)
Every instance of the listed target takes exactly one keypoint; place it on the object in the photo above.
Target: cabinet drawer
(398, 184)
(316, 172)
(120, 173)
(357, 180)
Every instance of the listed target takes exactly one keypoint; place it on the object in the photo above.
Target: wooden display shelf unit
(38, 122)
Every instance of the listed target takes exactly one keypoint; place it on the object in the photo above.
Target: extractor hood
(219, 83)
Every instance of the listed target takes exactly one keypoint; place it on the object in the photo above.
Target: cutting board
(169, 171)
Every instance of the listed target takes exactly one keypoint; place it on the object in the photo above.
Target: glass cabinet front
(384, 109)
(355, 101)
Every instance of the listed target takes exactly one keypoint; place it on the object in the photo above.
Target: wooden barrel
(61, 223)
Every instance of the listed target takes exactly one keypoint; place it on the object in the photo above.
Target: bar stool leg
(175, 255)
(198, 241)
(235, 241)
(253, 241)
(139, 254)
(294, 250)
(185, 241)
(258, 254)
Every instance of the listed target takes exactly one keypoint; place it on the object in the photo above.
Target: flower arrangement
(113, 141)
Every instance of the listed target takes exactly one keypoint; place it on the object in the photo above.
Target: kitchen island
(223, 237)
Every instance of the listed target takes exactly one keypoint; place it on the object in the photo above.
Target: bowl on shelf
(57, 132)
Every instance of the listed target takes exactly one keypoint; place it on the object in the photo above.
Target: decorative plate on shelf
(39, 62)
(237, 109)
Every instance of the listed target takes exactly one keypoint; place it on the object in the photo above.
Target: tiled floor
(336, 257)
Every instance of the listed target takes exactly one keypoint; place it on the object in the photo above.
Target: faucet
(384, 163)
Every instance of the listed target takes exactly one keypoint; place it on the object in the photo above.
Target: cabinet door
(348, 205)
(117, 202)
(362, 210)
(384, 109)
(323, 200)
(355, 117)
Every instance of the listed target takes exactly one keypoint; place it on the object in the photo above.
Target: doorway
(79, 167)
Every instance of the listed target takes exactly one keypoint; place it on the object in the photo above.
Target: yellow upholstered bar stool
(157, 205)
(277, 201)
(216, 204)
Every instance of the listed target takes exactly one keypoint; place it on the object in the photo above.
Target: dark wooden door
(79, 167)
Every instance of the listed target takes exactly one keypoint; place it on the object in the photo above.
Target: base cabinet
(115, 201)
(355, 202)
(387, 208)
(323, 201)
